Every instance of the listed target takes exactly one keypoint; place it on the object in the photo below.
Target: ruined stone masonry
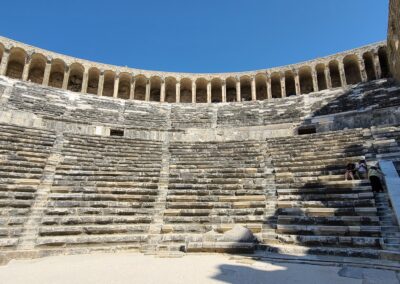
(394, 37)
(102, 158)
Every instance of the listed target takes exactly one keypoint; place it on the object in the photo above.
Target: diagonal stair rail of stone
(155, 228)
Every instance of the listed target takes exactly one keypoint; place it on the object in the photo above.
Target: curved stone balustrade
(21, 61)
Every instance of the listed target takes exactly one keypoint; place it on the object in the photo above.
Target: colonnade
(339, 71)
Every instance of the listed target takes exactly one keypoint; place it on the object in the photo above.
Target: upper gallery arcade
(28, 63)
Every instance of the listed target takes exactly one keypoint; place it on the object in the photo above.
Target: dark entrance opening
(304, 130)
(116, 132)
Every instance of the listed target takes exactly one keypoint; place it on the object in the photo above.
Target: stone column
(209, 92)
(283, 86)
(238, 94)
(363, 72)
(378, 71)
(328, 77)
(223, 91)
(101, 84)
(297, 83)
(27, 66)
(4, 62)
(46, 75)
(133, 86)
(269, 88)
(342, 73)
(162, 91)
(85, 81)
(178, 92)
(193, 92)
(66, 77)
(314, 79)
(116, 86)
(148, 88)
(253, 89)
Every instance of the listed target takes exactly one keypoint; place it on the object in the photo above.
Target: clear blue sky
(196, 36)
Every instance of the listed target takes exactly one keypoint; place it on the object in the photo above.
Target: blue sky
(196, 36)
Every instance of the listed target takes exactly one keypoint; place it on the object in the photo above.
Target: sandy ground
(137, 268)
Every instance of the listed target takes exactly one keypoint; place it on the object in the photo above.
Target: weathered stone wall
(394, 38)
(365, 105)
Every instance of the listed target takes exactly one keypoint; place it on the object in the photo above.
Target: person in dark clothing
(375, 175)
(350, 170)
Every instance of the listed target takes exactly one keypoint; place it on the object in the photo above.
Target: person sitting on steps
(350, 169)
(362, 170)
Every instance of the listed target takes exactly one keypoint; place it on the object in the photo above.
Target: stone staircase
(103, 193)
(23, 157)
(212, 187)
(316, 207)
(386, 146)
(390, 228)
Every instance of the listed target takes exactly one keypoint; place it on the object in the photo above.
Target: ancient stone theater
(95, 157)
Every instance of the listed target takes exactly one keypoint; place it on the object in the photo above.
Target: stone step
(330, 220)
(324, 230)
(93, 230)
(325, 190)
(321, 211)
(333, 241)
(89, 240)
(326, 204)
(325, 197)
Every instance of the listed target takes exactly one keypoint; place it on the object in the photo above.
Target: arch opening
(75, 77)
(384, 63)
(93, 81)
(124, 87)
(321, 79)
(16, 63)
(335, 74)
(170, 90)
(36, 68)
(276, 85)
(306, 80)
(352, 69)
(290, 84)
(155, 89)
(231, 89)
(57, 72)
(109, 81)
(140, 87)
(186, 91)
(261, 87)
(216, 90)
(369, 66)
(245, 88)
(201, 90)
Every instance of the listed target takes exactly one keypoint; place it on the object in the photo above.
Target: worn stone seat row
(23, 156)
(212, 187)
(103, 192)
(315, 206)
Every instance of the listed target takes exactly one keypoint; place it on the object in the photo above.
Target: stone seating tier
(212, 187)
(23, 156)
(315, 206)
(103, 192)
